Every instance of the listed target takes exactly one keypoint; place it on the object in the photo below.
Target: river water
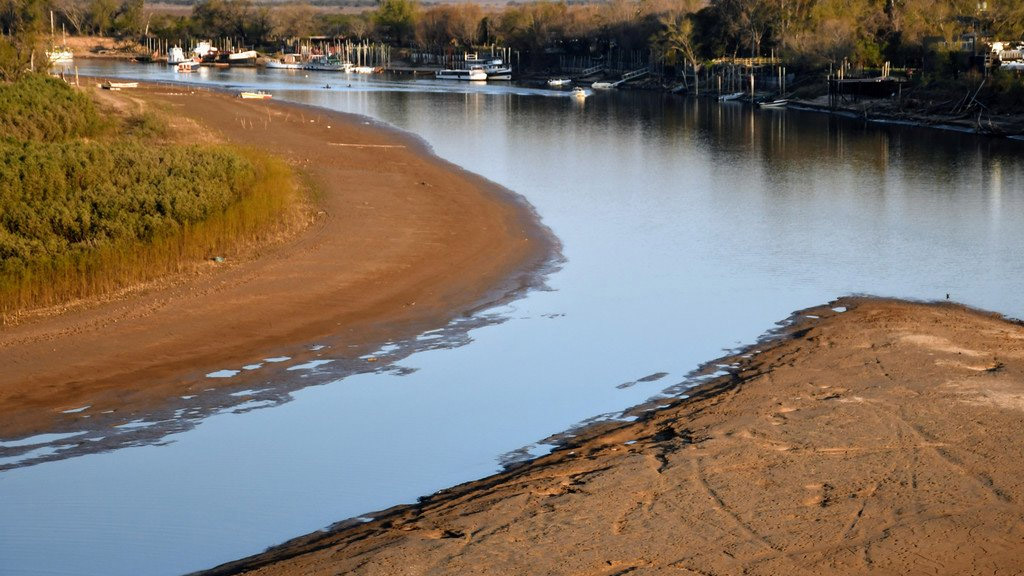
(688, 228)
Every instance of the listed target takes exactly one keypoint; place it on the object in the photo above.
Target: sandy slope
(401, 242)
(886, 439)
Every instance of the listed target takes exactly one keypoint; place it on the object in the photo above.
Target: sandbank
(398, 241)
(868, 436)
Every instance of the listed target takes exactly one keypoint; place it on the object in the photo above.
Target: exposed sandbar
(400, 242)
(886, 439)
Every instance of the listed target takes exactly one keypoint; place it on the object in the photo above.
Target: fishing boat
(559, 82)
(475, 73)
(286, 62)
(258, 95)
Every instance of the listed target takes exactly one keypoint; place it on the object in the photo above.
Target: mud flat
(867, 436)
(396, 242)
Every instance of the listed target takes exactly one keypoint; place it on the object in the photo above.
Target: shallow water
(688, 228)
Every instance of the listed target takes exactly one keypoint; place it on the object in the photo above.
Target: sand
(875, 437)
(398, 242)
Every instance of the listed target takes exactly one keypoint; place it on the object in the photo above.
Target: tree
(293, 21)
(678, 37)
(396, 18)
(74, 11)
(128, 21)
(101, 15)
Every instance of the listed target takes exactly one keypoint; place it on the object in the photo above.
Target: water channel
(688, 228)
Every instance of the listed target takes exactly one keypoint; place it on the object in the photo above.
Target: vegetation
(83, 214)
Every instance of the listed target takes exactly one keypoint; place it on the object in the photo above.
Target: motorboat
(187, 66)
(778, 103)
(286, 62)
(244, 58)
(579, 93)
(731, 97)
(495, 68)
(602, 85)
(363, 69)
(175, 56)
(559, 82)
(324, 63)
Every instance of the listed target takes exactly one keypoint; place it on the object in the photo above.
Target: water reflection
(689, 227)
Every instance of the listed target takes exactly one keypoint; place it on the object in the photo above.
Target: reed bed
(83, 214)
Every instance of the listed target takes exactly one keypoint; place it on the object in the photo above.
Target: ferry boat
(474, 73)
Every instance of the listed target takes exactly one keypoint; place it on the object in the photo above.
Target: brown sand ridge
(886, 439)
(401, 242)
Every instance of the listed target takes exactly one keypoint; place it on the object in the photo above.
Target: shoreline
(865, 435)
(402, 242)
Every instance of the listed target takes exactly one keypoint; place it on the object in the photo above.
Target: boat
(244, 58)
(475, 73)
(602, 85)
(778, 103)
(187, 66)
(362, 69)
(286, 62)
(175, 56)
(258, 95)
(579, 93)
(60, 55)
(495, 68)
(731, 97)
(559, 82)
(118, 85)
(328, 64)
(203, 50)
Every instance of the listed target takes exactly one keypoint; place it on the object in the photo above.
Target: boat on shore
(118, 85)
(475, 73)
(255, 95)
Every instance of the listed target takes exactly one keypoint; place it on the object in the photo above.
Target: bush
(38, 107)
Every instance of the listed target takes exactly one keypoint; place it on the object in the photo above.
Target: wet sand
(397, 242)
(883, 439)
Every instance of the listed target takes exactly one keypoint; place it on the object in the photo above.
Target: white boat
(495, 68)
(60, 55)
(602, 85)
(579, 93)
(118, 85)
(187, 66)
(258, 95)
(363, 69)
(475, 73)
(328, 64)
(559, 82)
(730, 97)
(286, 62)
(175, 56)
(203, 49)
(245, 58)
(779, 103)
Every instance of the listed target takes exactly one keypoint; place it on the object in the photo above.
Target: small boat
(602, 85)
(779, 103)
(258, 95)
(244, 58)
(187, 66)
(495, 68)
(579, 93)
(118, 85)
(731, 97)
(328, 64)
(559, 82)
(362, 69)
(475, 73)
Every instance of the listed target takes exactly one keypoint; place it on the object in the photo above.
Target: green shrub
(38, 107)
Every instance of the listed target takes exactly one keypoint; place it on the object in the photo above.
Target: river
(688, 228)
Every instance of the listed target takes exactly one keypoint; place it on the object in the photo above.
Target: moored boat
(187, 66)
(731, 97)
(579, 93)
(175, 56)
(495, 68)
(778, 103)
(328, 64)
(559, 82)
(475, 73)
(60, 55)
(602, 85)
(286, 62)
